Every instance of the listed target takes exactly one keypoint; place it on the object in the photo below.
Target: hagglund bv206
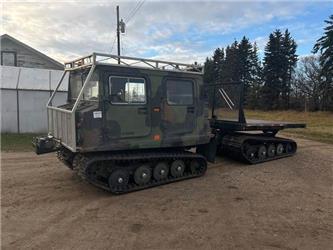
(126, 126)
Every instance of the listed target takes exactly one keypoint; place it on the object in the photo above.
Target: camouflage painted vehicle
(125, 127)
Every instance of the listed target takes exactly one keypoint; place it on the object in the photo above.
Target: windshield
(76, 81)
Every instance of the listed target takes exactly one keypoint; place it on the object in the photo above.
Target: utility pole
(118, 34)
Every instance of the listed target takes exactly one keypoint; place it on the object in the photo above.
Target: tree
(249, 71)
(209, 78)
(252, 95)
(218, 59)
(272, 73)
(279, 63)
(308, 84)
(324, 45)
(238, 63)
(209, 71)
(290, 60)
(245, 50)
(230, 71)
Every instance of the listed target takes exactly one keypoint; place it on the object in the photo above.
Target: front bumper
(45, 144)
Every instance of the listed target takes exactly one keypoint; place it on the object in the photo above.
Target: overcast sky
(183, 31)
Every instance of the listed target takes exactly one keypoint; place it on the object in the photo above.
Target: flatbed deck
(254, 125)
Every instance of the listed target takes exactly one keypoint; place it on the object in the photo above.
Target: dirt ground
(284, 204)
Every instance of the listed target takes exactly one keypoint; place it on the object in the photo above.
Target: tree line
(282, 79)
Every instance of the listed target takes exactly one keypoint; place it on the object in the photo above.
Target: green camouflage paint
(154, 124)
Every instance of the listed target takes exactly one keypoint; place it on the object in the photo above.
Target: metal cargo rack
(109, 59)
(241, 124)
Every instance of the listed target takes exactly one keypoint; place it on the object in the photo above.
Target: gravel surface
(284, 204)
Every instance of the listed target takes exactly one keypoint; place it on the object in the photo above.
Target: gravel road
(284, 204)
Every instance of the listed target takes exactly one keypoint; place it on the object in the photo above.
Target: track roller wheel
(279, 149)
(142, 175)
(177, 168)
(161, 171)
(289, 148)
(262, 152)
(271, 150)
(250, 152)
(118, 178)
(195, 167)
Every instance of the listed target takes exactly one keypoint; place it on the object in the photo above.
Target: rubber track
(63, 160)
(87, 161)
(234, 146)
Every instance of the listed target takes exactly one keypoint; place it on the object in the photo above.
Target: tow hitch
(45, 144)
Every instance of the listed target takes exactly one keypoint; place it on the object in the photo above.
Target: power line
(136, 10)
(132, 11)
(131, 14)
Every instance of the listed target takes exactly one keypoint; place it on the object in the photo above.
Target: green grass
(319, 124)
(16, 142)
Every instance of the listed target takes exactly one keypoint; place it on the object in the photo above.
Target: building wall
(24, 94)
(26, 58)
(8, 111)
(31, 110)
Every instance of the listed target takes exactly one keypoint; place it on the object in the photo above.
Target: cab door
(127, 114)
(179, 110)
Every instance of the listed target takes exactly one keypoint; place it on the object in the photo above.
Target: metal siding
(26, 58)
(9, 76)
(8, 111)
(33, 116)
(34, 91)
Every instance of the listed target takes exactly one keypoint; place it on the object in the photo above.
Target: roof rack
(107, 59)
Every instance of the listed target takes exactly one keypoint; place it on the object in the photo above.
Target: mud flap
(208, 150)
(44, 144)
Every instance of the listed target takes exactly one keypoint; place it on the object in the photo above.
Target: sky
(182, 31)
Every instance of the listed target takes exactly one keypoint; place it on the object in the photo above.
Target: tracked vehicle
(142, 123)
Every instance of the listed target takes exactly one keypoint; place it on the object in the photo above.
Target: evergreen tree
(290, 60)
(218, 59)
(324, 45)
(279, 63)
(208, 76)
(249, 71)
(273, 63)
(253, 94)
(245, 66)
(230, 71)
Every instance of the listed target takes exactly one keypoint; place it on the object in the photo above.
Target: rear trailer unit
(254, 141)
(134, 125)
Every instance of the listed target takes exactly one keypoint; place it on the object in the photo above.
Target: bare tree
(309, 82)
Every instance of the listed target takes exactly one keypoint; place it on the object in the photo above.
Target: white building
(28, 78)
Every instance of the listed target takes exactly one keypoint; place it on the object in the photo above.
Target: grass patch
(319, 125)
(16, 142)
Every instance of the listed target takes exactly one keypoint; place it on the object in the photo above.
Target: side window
(179, 92)
(8, 58)
(127, 90)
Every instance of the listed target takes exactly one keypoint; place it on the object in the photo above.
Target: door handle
(142, 111)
